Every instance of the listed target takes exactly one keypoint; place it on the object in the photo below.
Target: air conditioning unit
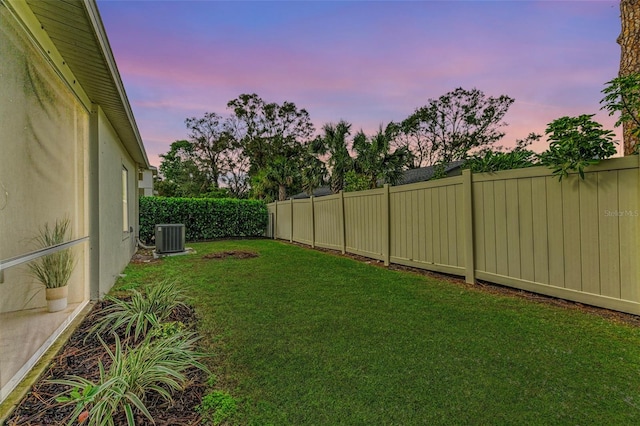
(170, 238)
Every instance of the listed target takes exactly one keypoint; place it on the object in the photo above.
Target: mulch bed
(80, 357)
(144, 256)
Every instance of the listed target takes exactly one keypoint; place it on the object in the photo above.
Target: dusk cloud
(365, 62)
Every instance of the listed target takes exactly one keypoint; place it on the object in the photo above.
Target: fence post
(275, 222)
(342, 223)
(386, 226)
(467, 191)
(638, 226)
(291, 221)
(313, 223)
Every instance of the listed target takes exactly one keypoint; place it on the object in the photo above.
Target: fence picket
(575, 239)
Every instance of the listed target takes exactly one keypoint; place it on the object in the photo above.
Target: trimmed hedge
(204, 218)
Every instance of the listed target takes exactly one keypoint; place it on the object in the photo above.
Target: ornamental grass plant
(142, 311)
(53, 270)
(156, 366)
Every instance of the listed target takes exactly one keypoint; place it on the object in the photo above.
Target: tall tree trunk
(282, 193)
(629, 41)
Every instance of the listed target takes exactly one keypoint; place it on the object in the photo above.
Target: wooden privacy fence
(576, 239)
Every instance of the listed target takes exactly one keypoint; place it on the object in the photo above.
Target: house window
(125, 197)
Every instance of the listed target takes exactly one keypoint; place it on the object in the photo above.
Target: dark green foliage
(334, 144)
(313, 175)
(575, 143)
(622, 95)
(266, 130)
(493, 161)
(374, 159)
(447, 128)
(216, 407)
(182, 174)
(490, 160)
(204, 218)
(355, 182)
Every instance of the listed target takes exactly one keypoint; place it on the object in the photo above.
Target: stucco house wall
(117, 238)
(67, 133)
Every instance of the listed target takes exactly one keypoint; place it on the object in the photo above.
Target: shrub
(575, 143)
(204, 218)
(493, 161)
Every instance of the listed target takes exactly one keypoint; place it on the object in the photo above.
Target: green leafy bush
(216, 407)
(490, 160)
(622, 95)
(355, 182)
(493, 161)
(204, 218)
(575, 143)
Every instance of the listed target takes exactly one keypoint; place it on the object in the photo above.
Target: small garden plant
(151, 361)
(216, 407)
(142, 312)
(54, 270)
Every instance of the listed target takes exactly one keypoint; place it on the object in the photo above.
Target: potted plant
(54, 270)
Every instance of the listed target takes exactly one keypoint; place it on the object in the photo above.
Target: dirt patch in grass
(231, 254)
(80, 357)
(144, 256)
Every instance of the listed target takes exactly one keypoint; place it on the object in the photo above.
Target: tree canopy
(450, 127)
(182, 175)
(375, 161)
(333, 142)
(266, 131)
(268, 150)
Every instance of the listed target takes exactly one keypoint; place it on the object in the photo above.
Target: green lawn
(303, 337)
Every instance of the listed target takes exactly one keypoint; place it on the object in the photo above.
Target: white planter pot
(57, 298)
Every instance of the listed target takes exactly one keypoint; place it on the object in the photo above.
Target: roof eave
(139, 154)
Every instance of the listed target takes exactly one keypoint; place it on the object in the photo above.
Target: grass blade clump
(156, 366)
(142, 312)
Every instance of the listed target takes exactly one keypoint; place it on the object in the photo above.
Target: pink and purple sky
(362, 61)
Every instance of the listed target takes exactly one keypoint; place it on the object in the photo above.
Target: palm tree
(281, 173)
(375, 161)
(334, 143)
(313, 174)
